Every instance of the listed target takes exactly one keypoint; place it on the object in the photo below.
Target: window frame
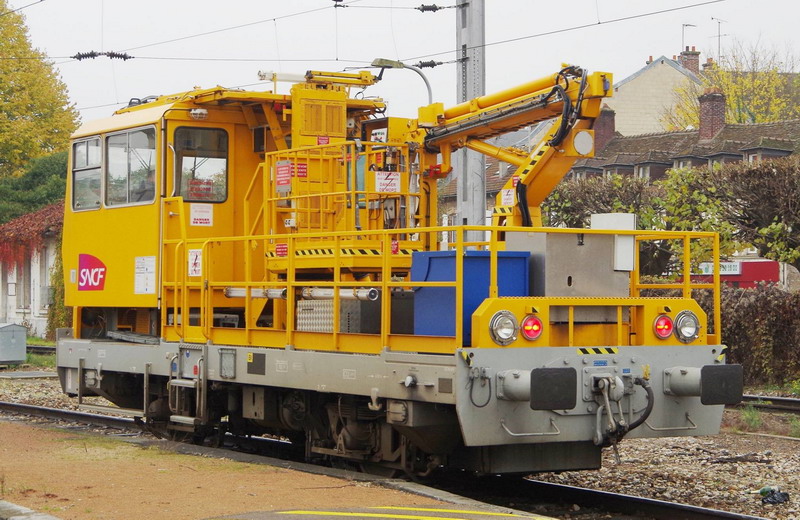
(99, 167)
(177, 172)
(106, 167)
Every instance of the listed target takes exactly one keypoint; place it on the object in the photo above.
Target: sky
(228, 43)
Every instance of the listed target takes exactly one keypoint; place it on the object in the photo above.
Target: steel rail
(785, 404)
(123, 423)
(650, 507)
(40, 349)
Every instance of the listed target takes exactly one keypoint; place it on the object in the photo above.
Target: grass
(794, 427)
(752, 417)
(41, 360)
(39, 342)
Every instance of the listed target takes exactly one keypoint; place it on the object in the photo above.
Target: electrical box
(13, 343)
(574, 265)
(435, 307)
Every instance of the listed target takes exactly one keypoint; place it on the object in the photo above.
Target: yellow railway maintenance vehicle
(264, 263)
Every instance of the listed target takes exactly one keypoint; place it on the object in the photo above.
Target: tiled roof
(663, 60)
(621, 159)
(655, 156)
(732, 139)
(771, 143)
(663, 147)
(787, 131)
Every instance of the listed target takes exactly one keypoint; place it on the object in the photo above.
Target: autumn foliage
(23, 235)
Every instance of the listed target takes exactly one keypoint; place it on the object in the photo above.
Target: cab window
(131, 167)
(86, 160)
(201, 170)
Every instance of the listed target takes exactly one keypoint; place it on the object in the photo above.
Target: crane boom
(572, 97)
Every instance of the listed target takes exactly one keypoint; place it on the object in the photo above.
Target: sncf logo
(91, 273)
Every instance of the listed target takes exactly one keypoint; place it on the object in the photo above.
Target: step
(184, 383)
(184, 419)
(128, 412)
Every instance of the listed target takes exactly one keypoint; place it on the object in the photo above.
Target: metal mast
(471, 170)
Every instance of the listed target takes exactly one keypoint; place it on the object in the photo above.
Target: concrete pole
(470, 170)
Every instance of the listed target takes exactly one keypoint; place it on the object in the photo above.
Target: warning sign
(201, 215)
(283, 176)
(281, 249)
(515, 180)
(387, 182)
(507, 197)
(301, 169)
(323, 139)
(201, 189)
(195, 262)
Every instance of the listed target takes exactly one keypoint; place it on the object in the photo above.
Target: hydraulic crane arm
(572, 97)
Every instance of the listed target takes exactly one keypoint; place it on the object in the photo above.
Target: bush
(761, 327)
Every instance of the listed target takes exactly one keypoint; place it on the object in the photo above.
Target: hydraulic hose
(566, 114)
(644, 383)
(522, 202)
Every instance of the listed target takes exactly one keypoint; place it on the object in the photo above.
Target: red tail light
(532, 327)
(663, 326)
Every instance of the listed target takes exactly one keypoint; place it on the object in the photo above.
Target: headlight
(503, 327)
(663, 326)
(687, 326)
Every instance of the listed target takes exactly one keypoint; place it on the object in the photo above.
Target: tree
(36, 118)
(42, 183)
(761, 201)
(692, 202)
(758, 82)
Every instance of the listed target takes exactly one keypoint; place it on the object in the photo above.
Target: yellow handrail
(393, 273)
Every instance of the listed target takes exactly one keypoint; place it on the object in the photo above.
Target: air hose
(644, 383)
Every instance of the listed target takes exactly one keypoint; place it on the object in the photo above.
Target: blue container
(435, 307)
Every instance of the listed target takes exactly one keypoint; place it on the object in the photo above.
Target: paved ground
(75, 475)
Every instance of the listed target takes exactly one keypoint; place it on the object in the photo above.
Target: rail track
(58, 414)
(40, 349)
(522, 493)
(782, 404)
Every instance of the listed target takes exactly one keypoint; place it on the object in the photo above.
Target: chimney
(604, 128)
(649, 61)
(709, 64)
(690, 59)
(712, 113)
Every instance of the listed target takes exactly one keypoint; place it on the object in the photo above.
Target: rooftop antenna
(683, 32)
(719, 37)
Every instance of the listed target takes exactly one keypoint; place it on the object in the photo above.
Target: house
(641, 99)
(28, 249)
(650, 155)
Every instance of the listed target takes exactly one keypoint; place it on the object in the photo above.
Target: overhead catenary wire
(568, 29)
(21, 8)
(426, 63)
(234, 27)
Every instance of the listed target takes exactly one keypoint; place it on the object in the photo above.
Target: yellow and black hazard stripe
(588, 351)
(503, 210)
(345, 252)
(722, 354)
(533, 161)
(314, 252)
(361, 252)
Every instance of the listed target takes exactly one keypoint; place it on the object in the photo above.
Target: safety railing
(270, 305)
(321, 189)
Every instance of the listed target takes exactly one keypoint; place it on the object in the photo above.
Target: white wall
(13, 305)
(640, 103)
